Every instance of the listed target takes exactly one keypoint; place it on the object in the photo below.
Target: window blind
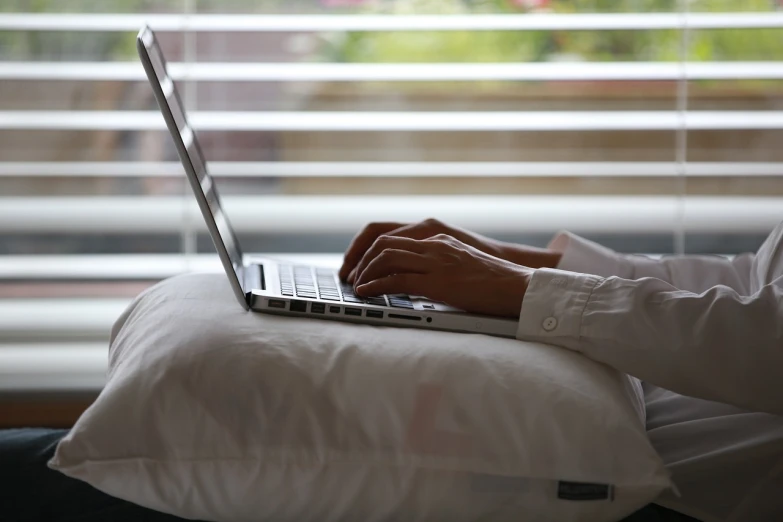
(655, 131)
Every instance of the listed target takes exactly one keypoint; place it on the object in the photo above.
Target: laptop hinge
(261, 280)
(253, 278)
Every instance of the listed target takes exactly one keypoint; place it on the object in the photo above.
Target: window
(641, 124)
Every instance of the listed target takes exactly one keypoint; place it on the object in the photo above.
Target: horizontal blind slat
(378, 169)
(454, 121)
(59, 317)
(294, 23)
(56, 366)
(426, 72)
(346, 214)
(125, 267)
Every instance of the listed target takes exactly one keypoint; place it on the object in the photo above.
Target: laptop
(272, 286)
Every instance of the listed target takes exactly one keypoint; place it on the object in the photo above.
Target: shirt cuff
(553, 306)
(584, 256)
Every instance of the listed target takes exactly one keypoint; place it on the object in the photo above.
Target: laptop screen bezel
(232, 260)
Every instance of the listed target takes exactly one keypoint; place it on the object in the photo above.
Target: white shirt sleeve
(693, 273)
(720, 337)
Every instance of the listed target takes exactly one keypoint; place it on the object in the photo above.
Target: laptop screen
(190, 154)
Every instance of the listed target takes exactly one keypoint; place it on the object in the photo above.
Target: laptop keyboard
(320, 283)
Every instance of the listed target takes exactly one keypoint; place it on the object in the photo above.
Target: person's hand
(518, 254)
(443, 269)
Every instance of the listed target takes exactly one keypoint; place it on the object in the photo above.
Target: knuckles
(443, 241)
(373, 229)
(380, 241)
(386, 254)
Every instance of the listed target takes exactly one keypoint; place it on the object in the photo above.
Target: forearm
(717, 345)
(531, 257)
(692, 273)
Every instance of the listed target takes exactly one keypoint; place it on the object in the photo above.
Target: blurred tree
(73, 45)
(428, 46)
(526, 46)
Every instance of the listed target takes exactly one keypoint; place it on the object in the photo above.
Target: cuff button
(549, 324)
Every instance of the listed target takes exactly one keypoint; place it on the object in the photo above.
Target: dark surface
(31, 492)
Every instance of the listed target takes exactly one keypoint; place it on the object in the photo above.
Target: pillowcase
(214, 413)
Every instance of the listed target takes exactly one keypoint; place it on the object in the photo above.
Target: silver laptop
(272, 286)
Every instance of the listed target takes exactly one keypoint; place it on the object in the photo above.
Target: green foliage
(68, 45)
(461, 46)
(525, 46)
(429, 46)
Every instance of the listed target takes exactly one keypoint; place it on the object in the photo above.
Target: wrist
(531, 257)
(549, 259)
(518, 290)
(505, 294)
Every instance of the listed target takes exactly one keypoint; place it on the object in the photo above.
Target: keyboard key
(398, 297)
(397, 303)
(320, 283)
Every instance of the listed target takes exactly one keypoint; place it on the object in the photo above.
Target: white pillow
(214, 413)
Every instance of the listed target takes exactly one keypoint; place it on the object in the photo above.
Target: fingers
(362, 242)
(394, 261)
(358, 248)
(384, 243)
(413, 231)
(412, 284)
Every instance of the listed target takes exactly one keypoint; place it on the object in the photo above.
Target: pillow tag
(584, 491)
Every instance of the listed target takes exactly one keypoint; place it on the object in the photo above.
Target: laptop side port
(276, 303)
(298, 306)
(403, 316)
(334, 309)
(353, 311)
(318, 308)
(375, 314)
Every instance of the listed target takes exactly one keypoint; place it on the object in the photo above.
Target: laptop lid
(193, 161)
